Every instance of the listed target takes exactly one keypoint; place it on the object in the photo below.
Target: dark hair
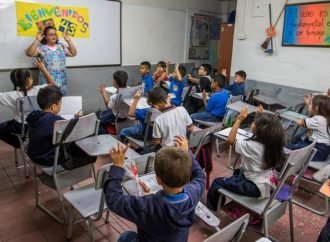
(46, 29)
(48, 96)
(173, 166)
(162, 64)
(157, 95)
(270, 133)
(241, 73)
(322, 103)
(207, 68)
(182, 71)
(146, 63)
(121, 78)
(19, 77)
(220, 80)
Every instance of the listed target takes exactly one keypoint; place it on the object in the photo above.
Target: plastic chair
(271, 209)
(89, 200)
(56, 177)
(232, 232)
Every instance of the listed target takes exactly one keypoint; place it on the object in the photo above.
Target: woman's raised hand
(40, 36)
(66, 36)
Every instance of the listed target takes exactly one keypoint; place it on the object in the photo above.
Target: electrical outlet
(241, 36)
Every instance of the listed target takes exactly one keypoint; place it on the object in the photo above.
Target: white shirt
(9, 99)
(120, 109)
(318, 124)
(252, 157)
(170, 124)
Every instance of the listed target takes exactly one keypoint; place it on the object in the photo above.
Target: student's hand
(117, 156)
(307, 99)
(260, 109)
(67, 37)
(101, 89)
(137, 95)
(189, 76)
(181, 142)
(224, 72)
(176, 66)
(40, 36)
(40, 64)
(243, 114)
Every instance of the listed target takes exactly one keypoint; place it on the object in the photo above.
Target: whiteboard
(103, 47)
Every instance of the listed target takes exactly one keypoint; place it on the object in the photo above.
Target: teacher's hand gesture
(40, 36)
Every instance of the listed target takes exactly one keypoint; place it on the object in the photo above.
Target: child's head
(49, 99)
(204, 70)
(22, 79)
(119, 79)
(240, 76)
(161, 66)
(268, 130)
(172, 167)
(218, 82)
(13, 79)
(157, 97)
(320, 105)
(182, 71)
(144, 67)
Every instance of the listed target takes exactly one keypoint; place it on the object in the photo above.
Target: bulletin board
(307, 24)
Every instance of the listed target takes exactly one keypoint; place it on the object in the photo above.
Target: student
(238, 87)
(194, 105)
(216, 105)
(177, 84)
(114, 109)
(161, 73)
(259, 154)
(146, 77)
(318, 126)
(172, 122)
(22, 80)
(167, 214)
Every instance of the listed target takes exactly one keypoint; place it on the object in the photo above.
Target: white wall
(303, 67)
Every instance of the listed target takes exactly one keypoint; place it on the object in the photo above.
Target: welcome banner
(32, 18)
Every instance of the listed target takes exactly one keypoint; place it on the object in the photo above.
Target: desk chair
(232, 232)
(89, 200)
(24, 105)
(56, 177)
(271, 209)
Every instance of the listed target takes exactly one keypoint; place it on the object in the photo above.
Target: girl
(318, 127)
(259, 155)
(22, 80)
(161, 73)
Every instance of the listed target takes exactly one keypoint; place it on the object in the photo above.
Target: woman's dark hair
(44, 41)
(19, 77)
(162, 64)
(270, 133)
(321, 103)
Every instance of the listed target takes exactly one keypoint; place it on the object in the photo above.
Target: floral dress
(55, 65)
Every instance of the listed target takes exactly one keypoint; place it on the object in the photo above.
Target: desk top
(292, 116)
(269, 100)
(141, 104)
(101, 144)
(241, 134)
(238, 105)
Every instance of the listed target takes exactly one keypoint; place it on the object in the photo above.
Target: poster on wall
(32, 18)
(307, 24)
(199, 37)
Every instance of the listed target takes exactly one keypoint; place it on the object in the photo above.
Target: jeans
(135, 132)
(106, 117)
(128, 236)
(321, 154)
(205, 116)
(236, 183)
(7, 129)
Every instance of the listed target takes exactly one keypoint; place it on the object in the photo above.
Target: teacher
(47, 47)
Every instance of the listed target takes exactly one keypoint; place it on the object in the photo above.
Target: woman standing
(47, 47)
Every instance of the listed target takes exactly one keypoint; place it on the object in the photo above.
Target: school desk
(269, 101)
(239, 105)
(292, 116)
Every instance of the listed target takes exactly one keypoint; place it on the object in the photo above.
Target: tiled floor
(20, 221)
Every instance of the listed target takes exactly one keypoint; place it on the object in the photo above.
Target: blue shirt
(237, 89)
(148, 82)
(217, 103)
(140, 115)
(176, 87)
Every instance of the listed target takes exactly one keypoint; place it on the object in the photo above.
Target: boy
(167, 214)
(146, 78)
(40, 148)
(114, 109)
(238, 87)
(172, 122)
(216, 105)
(192, 104)
(177, 84)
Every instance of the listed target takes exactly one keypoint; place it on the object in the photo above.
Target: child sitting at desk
(113, 108)
(216, 105)
(259, 154)
(161, 73)
(146, 78)
(22, 80)
(178, 82)
(167, 214)
(238, 87)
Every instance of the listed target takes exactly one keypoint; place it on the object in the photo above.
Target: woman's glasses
(51, 34)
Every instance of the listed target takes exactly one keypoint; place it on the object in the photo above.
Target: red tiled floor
(22, 221)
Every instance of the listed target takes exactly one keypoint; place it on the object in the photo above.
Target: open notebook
(241, 134)
(71, 105)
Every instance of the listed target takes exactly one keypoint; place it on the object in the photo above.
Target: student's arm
(32, 50)
(188, 121)
(178, 72)
(232, 134)
(104, 94)
(156, 134)
(43, 69)
(72, 51)
(192, 79)
(204, 94)
(132, 108)
(300, 122)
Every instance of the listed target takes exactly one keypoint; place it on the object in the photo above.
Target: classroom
(161, 120)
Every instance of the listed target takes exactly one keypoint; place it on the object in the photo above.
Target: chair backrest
(232, 232)
(150, 118)
(26, 105)
(71, 105)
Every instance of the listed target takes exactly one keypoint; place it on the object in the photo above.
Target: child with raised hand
(161, 73)
(238, 87)
(318, 126)
(23, 85)
(259, 155)
(177, 83)
(167, 214)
